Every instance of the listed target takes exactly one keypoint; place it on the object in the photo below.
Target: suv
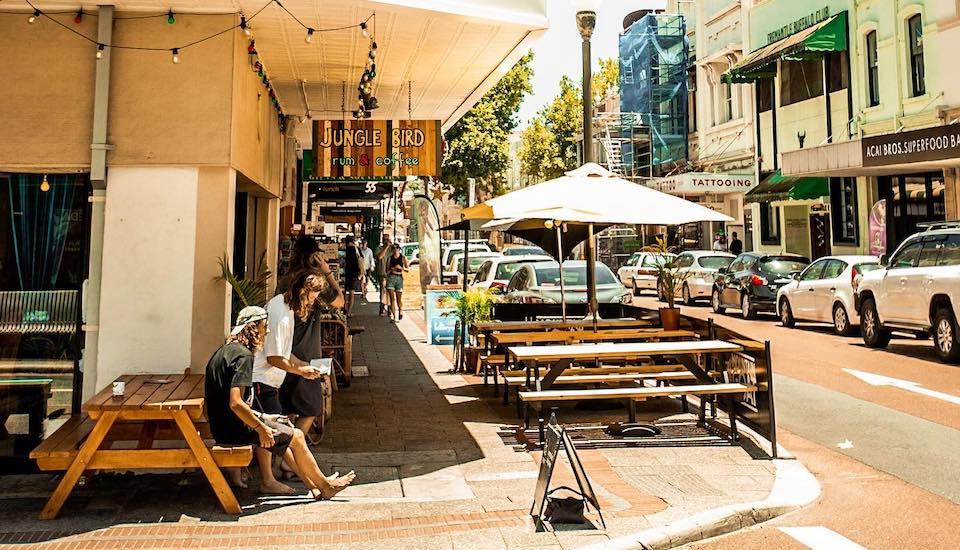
(917, 291)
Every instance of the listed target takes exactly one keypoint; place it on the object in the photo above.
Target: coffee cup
(119, 388)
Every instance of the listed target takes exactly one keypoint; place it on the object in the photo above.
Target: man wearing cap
(229, 377)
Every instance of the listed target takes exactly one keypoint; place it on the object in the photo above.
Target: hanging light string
(366, 101)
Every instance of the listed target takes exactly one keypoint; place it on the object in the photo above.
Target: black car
(752, 280)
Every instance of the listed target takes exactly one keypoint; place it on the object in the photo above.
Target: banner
(440, 312)
(428, 235)
(376, 149)
(878, 228)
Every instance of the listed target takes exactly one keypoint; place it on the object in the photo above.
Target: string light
(33, 18)
(363, 29)
(100, 48)
(44, 185)
(78, 18)
(246, 28)
(309, 37)
(176, 55)
(170, 18)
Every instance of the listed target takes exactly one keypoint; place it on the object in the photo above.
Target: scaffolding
(653, 95)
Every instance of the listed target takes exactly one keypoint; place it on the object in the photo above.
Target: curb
(793, 488)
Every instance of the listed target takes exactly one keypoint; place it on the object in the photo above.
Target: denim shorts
(395, 282)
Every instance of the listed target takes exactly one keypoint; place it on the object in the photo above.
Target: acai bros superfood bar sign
(376, 149)
(928, 144)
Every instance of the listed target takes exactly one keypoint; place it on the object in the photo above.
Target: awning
(826, 36)
(777, 187)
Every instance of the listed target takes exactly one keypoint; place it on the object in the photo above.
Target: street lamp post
(586, 21)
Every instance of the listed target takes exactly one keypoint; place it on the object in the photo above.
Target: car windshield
(523, 250)
(506, 270)
(715, 262)
(573, 275)
(782, 265)
(475, 263)
(866, 268)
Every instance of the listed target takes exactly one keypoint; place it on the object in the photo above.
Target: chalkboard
(555, 436)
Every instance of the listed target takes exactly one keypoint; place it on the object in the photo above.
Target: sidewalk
(433, 471)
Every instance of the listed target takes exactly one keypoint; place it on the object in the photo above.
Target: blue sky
(557, 53)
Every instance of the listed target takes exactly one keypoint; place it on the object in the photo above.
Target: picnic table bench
(154, 407)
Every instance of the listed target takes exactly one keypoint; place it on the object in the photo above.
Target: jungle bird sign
(376, 149)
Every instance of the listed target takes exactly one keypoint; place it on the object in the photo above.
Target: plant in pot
(670, 276)
(473, 306)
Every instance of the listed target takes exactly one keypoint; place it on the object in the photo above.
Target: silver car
(824, 292)
(696, 270)
(538, 283)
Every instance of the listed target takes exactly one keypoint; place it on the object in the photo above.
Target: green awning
(777, 187)
(826, 36)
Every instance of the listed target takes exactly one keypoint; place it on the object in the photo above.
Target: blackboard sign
(555, 436)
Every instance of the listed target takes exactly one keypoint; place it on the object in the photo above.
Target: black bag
(565, 509)
(308, 337)
(297, 394)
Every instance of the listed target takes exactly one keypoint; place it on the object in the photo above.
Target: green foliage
(246, 292)
(477, 145)
(564, 118)
(606, 81)
(474, 305)
(669, 276)
(539, 153)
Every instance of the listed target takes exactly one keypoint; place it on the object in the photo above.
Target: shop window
(838, 64)
(724, 104)
(873, 70)
(843, 208)
(769, 224)
(915, 33)
(764, 94)
(800, 80)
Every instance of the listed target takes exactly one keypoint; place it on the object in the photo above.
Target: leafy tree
(477, 145)
(564, 118)
(539, 152)
(606, 80)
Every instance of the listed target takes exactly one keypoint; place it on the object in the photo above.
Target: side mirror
(723, 270)
(884, 260)
(795, 275)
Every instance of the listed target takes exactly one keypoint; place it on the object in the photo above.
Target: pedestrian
(275, 359)
(383, 252)
(352, 272)
(396, 265)
(718, 243)
(736, 245)
(368, 264)
(227, 395)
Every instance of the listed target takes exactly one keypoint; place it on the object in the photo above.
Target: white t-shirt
(277, 343)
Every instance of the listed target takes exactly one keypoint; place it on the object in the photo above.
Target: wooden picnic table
(486, 327)
(149, 400)
(570, 336)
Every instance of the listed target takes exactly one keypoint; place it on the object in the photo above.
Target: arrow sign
(878, 380)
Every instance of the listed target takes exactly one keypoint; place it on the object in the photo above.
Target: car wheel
(841, 321)
(786, 314)
(746, 308)
(874, 335)
(716, 303)
(945, 336)
(687, 298)
(636, 290)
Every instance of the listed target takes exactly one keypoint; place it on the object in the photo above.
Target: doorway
(911, 199)
(819, 235)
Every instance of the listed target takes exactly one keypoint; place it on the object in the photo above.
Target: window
(724, 111)
(838, 65)
(950, 253)
(654, 260)
(812, 273)
(764, 94)
(873, 70)
(907, 257)
(915, 33)
(843, 209)
(769, 224)
(930, 253)
(632, 261)
(684, 260)
(800, 80)
(833, 269)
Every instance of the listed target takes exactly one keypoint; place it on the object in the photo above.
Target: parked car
(823, 292)
(495, 273)
(640, 271)
(452, 248)
(409, 250)
(752, 280)
(454, 270)
(917, 290)
(696, 270)
(539, 282)
(524, 251)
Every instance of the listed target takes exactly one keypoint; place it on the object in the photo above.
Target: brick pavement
(432, 472)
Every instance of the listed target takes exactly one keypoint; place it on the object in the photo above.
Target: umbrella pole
(563, 298)
(591, 276)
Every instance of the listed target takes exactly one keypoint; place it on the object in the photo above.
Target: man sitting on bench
(229, 377)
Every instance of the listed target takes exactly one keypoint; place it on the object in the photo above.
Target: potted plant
(669, 277)
(474, 305)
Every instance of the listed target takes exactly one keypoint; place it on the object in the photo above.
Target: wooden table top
(508, 326)
(560, 336)
(607, 350)
(151, 392)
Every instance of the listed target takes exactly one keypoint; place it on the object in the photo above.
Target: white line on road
(821, 538)
(878, 380)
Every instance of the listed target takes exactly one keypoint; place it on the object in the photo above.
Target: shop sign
(928, 144)
(696, 183)
(797, 25)
(376, 149)
(878, 228)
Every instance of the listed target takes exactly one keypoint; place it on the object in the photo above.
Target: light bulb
(78, 18)
(99, 51)
(176, 55)
(363, 29)
(246, 28)
(45, 185)
(309, 37)
(33, 18)
(170, 18)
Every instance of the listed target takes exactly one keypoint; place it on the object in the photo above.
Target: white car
(640, 271)
(449, 249)
(495, 273)
(696, 270)
(539, 283)
(454, 270)
(917, 290)
(823, 292)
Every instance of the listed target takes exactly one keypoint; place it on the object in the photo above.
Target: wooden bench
(38, 311)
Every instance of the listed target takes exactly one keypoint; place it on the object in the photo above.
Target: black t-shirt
(736, 246)
(351, 263)
(230, 367)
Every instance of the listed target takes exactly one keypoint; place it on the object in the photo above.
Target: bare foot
(276, 488)
(337, 484)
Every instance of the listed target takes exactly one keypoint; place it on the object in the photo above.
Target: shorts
(266, 399)
(282, 436)
(395, 282)
(352, 284)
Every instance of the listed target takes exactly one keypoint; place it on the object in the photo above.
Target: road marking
(845, 444)
(821, 538)
(878, 380)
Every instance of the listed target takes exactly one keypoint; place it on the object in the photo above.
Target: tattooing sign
(376, 149)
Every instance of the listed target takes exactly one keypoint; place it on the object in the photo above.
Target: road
(879, 428)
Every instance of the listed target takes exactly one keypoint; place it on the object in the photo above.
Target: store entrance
(911, 199)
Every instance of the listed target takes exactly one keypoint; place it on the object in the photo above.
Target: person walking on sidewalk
(229, 377)
(396, 265)
(352, 273)
(383, 253)
(369, 264)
